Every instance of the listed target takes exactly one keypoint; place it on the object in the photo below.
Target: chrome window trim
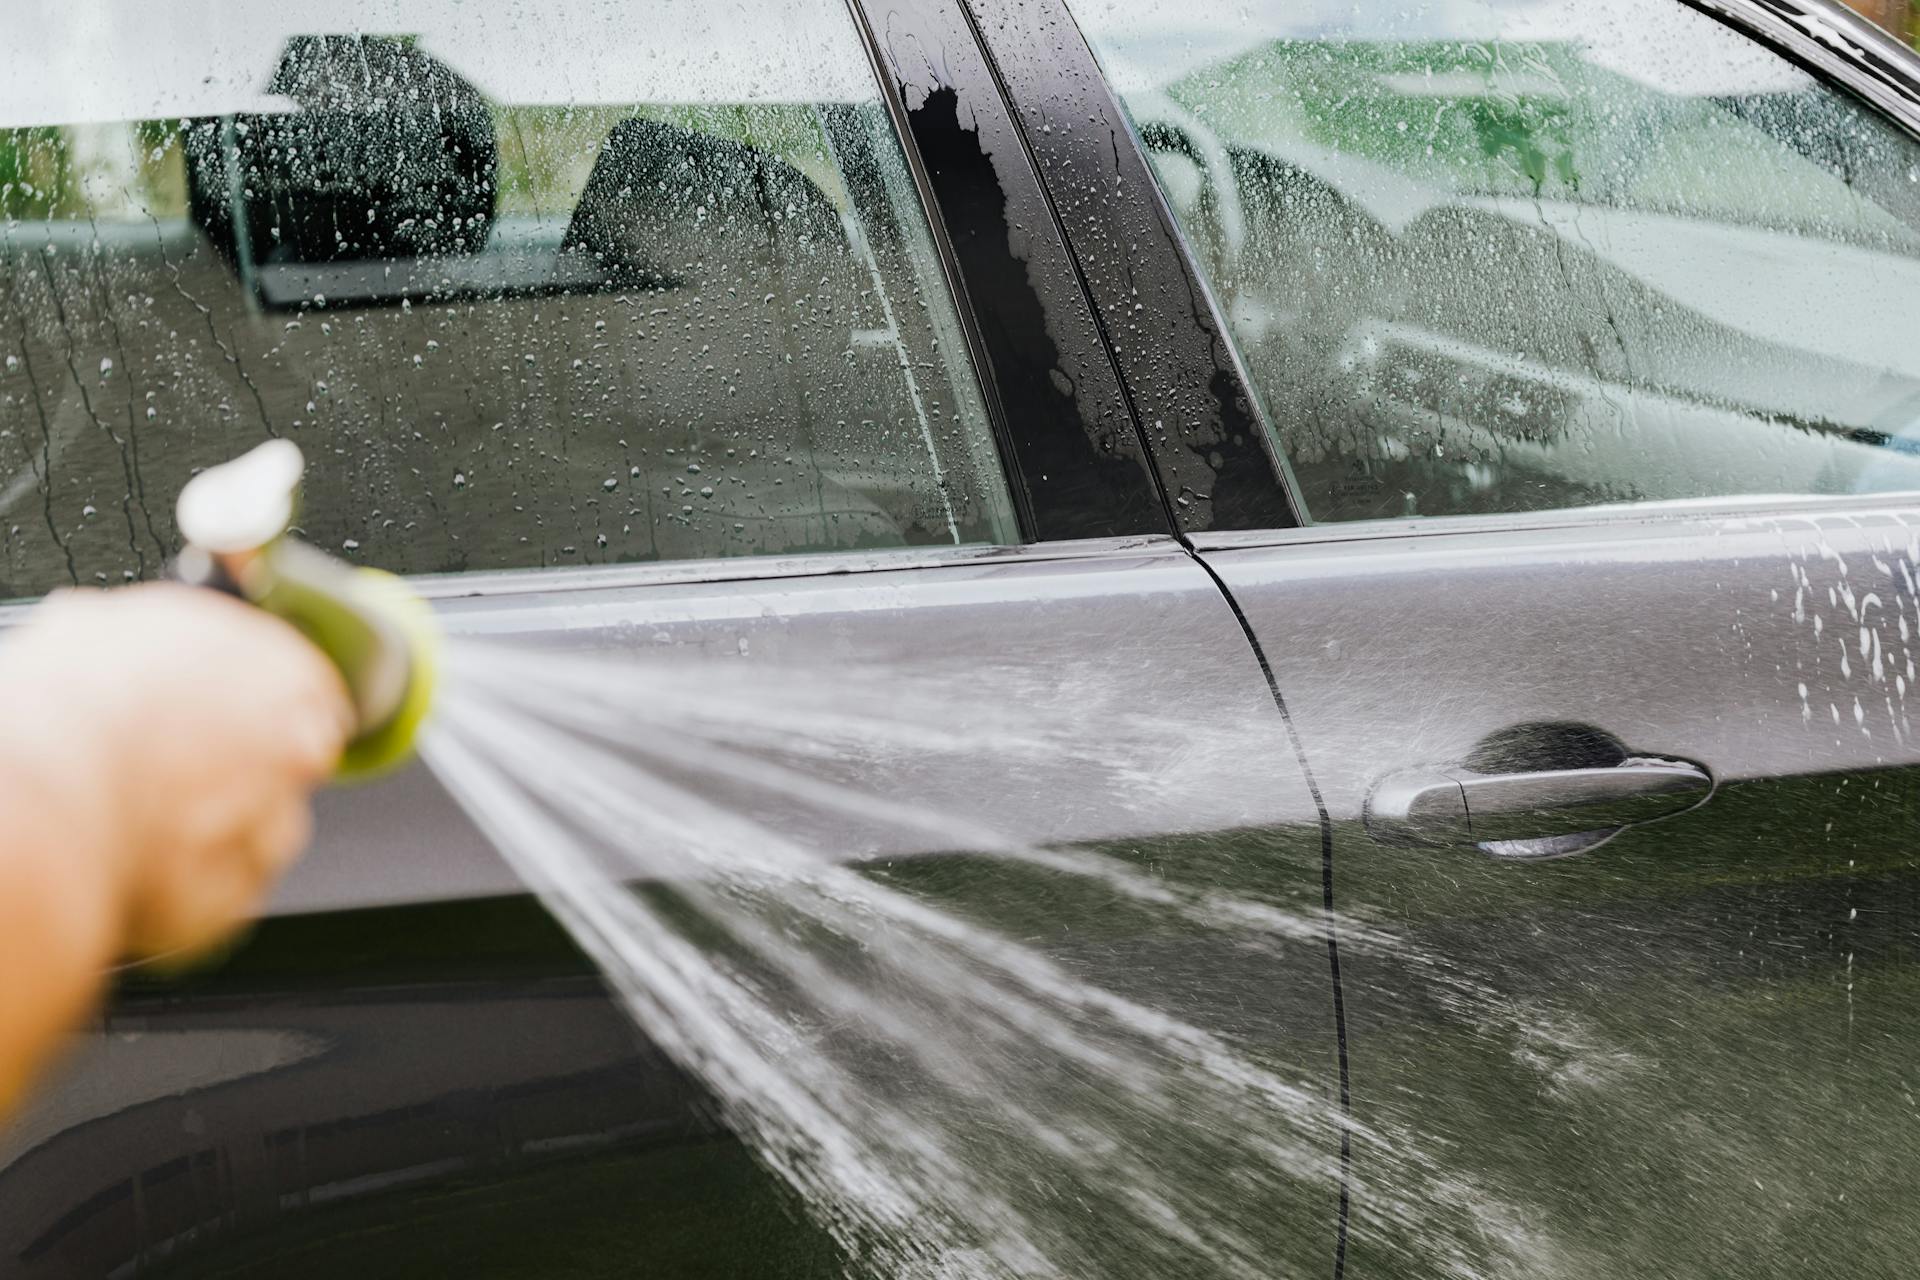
(1833, 41)
(1688, 517)
(822, 564)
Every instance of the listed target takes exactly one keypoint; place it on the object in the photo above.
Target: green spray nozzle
(383, 638)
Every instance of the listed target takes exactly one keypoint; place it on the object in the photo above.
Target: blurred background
(1901, 17)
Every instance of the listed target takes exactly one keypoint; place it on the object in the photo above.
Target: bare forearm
(157, 748)
(58, 908)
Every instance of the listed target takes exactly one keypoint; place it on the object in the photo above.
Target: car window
(531, 285)
(1499, 257)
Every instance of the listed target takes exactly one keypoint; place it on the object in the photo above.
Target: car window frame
(1838, 48)
(1076, 470)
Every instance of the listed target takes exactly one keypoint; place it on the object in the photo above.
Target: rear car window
(531, 286)
(1500, 257)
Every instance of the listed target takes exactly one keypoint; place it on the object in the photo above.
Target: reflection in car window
(1493, 257)
(559, 284)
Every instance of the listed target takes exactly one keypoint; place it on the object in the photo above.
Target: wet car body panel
(1646, 1055)
(399, 1037)
(1696, 1026)
(1041, 613)
(398, 1025)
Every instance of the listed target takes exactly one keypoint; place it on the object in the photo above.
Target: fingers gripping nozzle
(383, 638)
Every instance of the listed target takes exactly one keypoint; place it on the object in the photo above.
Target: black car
(1455, 465)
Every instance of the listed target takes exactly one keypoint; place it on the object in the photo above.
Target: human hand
(174, 735)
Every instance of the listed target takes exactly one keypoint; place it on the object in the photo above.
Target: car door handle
(1542, 814)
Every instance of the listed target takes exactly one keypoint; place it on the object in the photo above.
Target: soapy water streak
(947, 1100)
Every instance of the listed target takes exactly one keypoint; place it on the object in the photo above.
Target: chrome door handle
(1543, 814)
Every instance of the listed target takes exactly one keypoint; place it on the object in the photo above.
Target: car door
(737, 335)
(1584, 335)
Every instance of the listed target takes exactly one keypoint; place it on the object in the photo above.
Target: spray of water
(948, 1099)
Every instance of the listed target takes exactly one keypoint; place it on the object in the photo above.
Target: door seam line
(1329, 920)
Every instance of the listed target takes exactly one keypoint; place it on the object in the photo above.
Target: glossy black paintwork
(592, 1129)
(347, 1085)
(360, 1065)
(1078, 467)
(1182, 377)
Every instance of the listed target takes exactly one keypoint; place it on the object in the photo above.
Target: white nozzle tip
(244, 504)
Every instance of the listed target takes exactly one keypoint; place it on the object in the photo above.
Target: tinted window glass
(531, 285)
(1505, 257)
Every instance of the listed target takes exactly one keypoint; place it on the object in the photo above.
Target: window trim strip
(1074, 458)
(1214, 454)
(1835, 45)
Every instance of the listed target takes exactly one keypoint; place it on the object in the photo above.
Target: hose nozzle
(234, 519)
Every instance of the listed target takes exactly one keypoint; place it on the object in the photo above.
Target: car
(1454, 467)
